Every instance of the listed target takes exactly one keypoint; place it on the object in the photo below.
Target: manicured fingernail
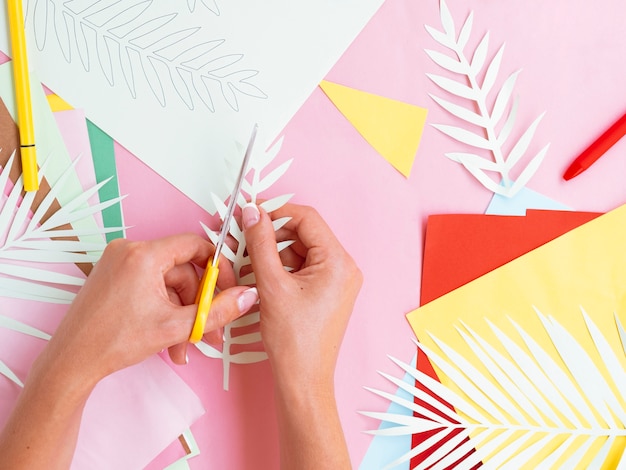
(186, 358)
(250, 215)
(247, 299)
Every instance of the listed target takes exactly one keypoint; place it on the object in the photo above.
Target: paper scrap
(191, 83)
(580, 268)
(392, 127)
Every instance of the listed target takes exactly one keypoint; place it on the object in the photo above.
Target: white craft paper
(130, 65)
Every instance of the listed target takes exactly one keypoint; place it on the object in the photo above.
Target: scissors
(204, 297)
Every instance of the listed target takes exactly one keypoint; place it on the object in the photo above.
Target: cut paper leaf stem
(490, 126)
(543, 413)
(237, 334)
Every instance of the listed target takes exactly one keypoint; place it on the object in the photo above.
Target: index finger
(176, 250)
(309, 226)
(180, 249)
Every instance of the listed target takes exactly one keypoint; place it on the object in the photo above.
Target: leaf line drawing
(23, 328)
(128, 42)
(244, 332)
(210, 5)
(494, 123)
(564, 408)
(30, 246)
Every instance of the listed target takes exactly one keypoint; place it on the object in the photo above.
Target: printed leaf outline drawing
(541, 398)
(30, 246)
(210, 5)
(125, 41)
(244, 331)
(491, 125)
(18, 326)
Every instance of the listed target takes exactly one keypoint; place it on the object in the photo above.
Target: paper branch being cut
(253, 186)
(30, 245)
(563, 412)
(490, 126)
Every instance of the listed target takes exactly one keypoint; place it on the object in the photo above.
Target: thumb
(261, 246)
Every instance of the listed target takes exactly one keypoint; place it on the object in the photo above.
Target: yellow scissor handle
(204, 298)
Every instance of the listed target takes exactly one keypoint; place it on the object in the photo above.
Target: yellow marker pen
(22, 96)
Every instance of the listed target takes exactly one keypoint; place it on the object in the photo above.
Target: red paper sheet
(461, 248)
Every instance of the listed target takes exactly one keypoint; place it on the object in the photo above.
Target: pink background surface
(571, 54)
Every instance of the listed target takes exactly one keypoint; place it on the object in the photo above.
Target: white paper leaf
(440, 37)
(33, 243)
(464, 34)
(253, 186)
(502, 99)
(622, 332)
(272, 177)
(447, 62)
(40, 275)
(471, 159)
(446, 19)
(492, 71)
(480, 54)
(246, 320)
(509, 123)
(487, 117)
(480, 175)
(460, 111)
(529, 171)
(16, 325)
(453, 87)
(464, 136)
(546, 390)
(8, 373)
(276, 203)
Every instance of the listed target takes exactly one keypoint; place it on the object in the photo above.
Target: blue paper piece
(524, 199)
(385, 449)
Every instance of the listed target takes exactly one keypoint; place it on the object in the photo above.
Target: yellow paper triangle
(57, 103)
(392, 127)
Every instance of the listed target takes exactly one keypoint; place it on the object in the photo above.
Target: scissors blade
(233, 198)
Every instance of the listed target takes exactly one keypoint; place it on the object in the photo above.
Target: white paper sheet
(259, 61)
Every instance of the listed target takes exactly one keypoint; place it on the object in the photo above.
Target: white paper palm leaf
(244, 332)
(31, 247)
(528, 403)
(130, 41)
(18, 326)
(488, 127)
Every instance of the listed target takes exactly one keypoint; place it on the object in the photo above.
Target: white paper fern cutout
(30, 247)
(15, 325)
(126, 42)
(493, 129)
(566, 406)
(244, 331)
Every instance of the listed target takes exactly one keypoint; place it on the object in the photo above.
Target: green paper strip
(103, 154)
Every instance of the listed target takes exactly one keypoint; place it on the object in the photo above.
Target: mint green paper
(103, 154)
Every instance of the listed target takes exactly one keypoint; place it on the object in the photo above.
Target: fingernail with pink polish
(247, 299)
(250, 215)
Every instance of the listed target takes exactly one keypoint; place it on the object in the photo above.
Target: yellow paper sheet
(392, 127)
(583, 268)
